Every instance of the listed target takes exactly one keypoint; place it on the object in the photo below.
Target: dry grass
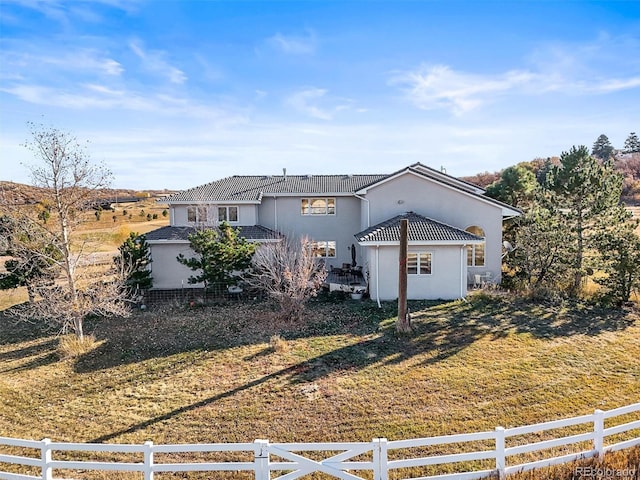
(216, 374)
(70, 346)
(278, 344)
(15, 296)
(614, 466)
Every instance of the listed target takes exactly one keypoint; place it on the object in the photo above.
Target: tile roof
(253, 232)
(421, 229)
(253, 187)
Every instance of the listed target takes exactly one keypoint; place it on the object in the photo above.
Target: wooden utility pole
(403, 324)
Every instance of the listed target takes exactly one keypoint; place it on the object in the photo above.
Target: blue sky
(173, 94)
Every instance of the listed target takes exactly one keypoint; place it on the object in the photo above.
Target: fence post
(598, 430)
(148, 460)
(45, 456)
(501, 461)
(380, 460)
(261, 459)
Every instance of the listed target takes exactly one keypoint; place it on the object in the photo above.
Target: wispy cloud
(66, 13)
(294, 44)
(35, 61)
(605, 65)
(96, 96)
(154, 62)
(438, 86)
(315, 103)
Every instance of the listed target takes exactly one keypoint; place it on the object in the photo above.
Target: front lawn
(218, 374)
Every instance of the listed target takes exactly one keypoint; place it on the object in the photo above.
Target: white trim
(418, 243)
(167, 242)
(457, 184)
(418, 253)
(214, 202)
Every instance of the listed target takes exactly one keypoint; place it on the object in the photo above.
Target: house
(455, 232)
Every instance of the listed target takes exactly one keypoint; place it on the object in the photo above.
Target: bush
(288, 273)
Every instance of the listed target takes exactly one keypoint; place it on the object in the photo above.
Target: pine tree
(619, 248)
(602, 148)
(33, 262)
(587, 194)
(218, 256)
(133, 262)
(631, 144)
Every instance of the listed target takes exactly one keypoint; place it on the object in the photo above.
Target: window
(191, 214)
(419, 263)
(318, 206)
(475, 253)
(228, 214)
(323, 248)
(197, 214)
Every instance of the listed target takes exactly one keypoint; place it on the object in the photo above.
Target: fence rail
(343, 460)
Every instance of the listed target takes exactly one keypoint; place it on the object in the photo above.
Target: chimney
(284, 173)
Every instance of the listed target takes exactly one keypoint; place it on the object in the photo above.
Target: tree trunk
(577, 282)
(68, 265)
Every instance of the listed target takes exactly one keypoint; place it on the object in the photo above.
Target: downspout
(378, 276)
(275, 212)
(463, 279)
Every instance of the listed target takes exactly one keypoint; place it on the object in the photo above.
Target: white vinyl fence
(375, 459)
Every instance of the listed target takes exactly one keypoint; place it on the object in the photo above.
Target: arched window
(475, 253)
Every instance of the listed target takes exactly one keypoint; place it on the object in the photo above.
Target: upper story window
(419, 263)
(475, 253)
(228, 214)
(197, 214)
(207, 214)
(318, 206)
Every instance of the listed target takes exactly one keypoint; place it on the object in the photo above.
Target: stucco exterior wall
(447, 280)
(444, 204)
(166, 271)
(284, 214)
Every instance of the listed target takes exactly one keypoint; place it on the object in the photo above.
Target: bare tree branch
(289, 273)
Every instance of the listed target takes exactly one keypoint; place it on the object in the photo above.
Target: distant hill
(21, 194)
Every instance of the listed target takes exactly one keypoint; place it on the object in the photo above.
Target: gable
(413, 189)
(430, 173)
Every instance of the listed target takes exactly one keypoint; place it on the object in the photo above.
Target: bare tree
(289, 273)
(69, 183)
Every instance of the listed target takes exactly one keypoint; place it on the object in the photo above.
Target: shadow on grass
(15, 355)
(439, 331)
(13, 330)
